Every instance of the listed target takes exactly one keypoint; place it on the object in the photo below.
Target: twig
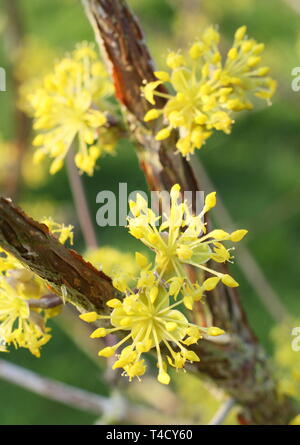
(222, 412)
(114, 409)
(80, 202)
(61, 392)
(245, 260)
(48, 301)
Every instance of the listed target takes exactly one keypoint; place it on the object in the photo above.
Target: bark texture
(64, 269)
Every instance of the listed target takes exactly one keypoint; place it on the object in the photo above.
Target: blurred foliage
(255, 171)
(286, 337)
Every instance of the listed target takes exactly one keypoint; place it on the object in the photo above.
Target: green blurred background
(255, 171)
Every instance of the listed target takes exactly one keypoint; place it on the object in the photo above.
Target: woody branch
(64, 269)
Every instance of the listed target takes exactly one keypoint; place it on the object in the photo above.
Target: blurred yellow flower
(113, 262)
(33, 59)
(71, 104)
(207, 91)
(17, 325)
(20, 324)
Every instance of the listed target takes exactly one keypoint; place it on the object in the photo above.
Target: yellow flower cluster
(206, 90)
(17, 323)
(67, 107)
(113, 262)
(182, 239)
(151, 311)
(63, 233)
(22, 325)
(33, 60)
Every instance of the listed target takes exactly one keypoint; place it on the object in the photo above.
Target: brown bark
(239, 366)
(33, 245)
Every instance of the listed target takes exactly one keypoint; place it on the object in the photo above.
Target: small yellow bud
(38, 140)
(98, 333)
(258, 48)
(210, 200)
(95, 151)
(211, 36)
(200, 119)
(229, 281)
(232, 54)
(89, 317)
(153, 294)
(106, 352)
(141, 260)
(253, 61)
(163, 377)
(215, 331)
(247, 46)
(192, 356)
(152, 114)
(38, 156)
(162, 75)
(56, 165)
(263, 71)
(114, 302)
(238, 235)
(144, 346)
(163, 134)
(120, 284)
(211, 283)
(219, 235)
(240, 33)
(196, 50)
(188, 302)
(137, 232)
(175, 60)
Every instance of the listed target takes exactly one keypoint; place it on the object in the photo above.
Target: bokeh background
(255, 171)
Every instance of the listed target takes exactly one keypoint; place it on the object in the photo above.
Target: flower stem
(80, 202)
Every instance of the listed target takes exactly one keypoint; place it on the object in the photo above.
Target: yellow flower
(148, 314)
(21, 325)
(113, 262)
(64, 233)
(182, 239)
(66, 107)
(17, 325)
(206, 90)
(150, 323)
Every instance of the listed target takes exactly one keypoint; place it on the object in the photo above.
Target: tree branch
(222, 412)
(64, 269)
(111, 409)
(240, 366)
